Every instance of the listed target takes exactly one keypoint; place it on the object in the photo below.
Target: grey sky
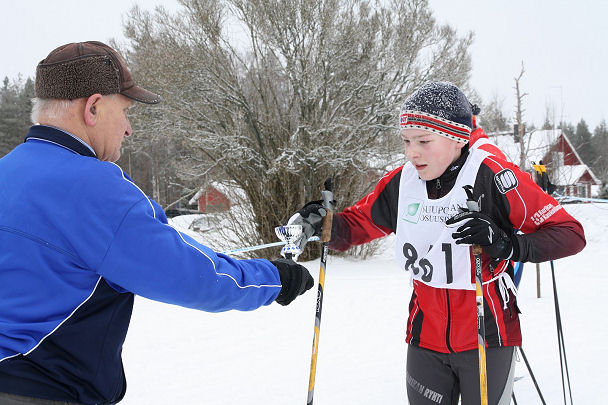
(562, 45)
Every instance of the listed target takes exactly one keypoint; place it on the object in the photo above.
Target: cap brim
(142, 95)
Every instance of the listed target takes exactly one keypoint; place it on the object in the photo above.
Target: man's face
(431, 154)
(112, 126)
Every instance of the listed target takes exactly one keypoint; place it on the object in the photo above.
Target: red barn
(566, 169)
(210, 199)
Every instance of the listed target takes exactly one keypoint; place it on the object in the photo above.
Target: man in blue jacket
(78, 239)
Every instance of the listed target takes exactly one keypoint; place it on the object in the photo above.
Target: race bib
(424, 245)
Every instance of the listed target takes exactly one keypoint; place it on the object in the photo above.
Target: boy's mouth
(420, 167)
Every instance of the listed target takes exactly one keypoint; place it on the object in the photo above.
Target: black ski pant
(441, 378)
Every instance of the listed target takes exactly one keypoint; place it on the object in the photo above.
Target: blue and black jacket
(77, 240)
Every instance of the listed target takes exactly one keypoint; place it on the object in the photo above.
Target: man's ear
(90, 109)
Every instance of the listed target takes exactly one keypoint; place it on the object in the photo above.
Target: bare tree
(519, 112)
(305, 90)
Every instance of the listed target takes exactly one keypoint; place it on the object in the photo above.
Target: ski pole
(540, 394)
(473, 205)
(481, 330)
(325, 237)
(258, 247)
(563, 362)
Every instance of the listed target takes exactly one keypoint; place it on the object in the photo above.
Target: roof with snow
(537, 146)
(568, 174)
(230, 189)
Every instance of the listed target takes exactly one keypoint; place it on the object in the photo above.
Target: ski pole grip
(328, 198)
(326, 230)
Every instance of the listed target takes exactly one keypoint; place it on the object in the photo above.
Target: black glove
(480, 229)
(311, 218)
(295, 280)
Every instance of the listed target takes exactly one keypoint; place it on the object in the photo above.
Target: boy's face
(431, 154)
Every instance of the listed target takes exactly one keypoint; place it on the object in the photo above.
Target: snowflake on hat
(441, 108)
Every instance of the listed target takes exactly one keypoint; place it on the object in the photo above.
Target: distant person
(78, 239)
(421, 203)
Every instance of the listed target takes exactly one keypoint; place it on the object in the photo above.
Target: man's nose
(129, 130)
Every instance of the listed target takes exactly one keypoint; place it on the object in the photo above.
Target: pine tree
(548, 124)
(15, 106)
(568, 129)
(599, 144)
(582, 142)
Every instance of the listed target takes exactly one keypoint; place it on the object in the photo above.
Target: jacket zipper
(447, 329)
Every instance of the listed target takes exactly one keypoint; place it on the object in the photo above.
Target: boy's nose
(412, 152)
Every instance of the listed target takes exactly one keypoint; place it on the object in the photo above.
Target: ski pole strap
(505, 284)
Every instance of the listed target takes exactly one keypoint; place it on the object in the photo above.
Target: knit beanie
(439, 107)
(78, 70)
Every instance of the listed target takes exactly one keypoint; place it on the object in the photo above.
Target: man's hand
(295, 280)
(480, 229)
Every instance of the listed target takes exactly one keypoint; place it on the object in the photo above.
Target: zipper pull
(438, 184)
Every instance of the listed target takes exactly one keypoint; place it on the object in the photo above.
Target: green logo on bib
(410, 209)
(412, 212)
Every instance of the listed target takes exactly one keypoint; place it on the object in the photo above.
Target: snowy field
(175, 355)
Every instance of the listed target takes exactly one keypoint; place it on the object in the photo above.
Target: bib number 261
(424, 265)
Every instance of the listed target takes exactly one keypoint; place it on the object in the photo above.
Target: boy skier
(422, 203)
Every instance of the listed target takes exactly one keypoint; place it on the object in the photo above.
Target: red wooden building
(209, 199)
(566, 169)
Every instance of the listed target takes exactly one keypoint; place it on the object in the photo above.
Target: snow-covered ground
(175, 355)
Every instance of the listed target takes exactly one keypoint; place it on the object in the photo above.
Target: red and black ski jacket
(446, 320)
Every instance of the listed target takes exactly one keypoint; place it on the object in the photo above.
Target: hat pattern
(441, 108)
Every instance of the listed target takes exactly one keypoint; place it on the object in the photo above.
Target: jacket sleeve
(148, 257)
(372, 217)
(547, 231)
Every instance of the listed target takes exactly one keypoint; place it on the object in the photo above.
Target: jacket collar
(452, 171)
(60, 137)
(442, 185)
